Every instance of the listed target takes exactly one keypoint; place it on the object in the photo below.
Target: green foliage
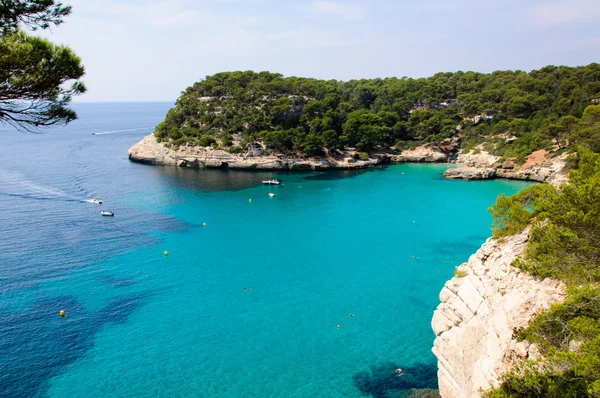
(511, 214)
(531, 382)
(564, 244)
(236, 149)
(566, 371)
(362, 156)
(568, 321)
(37, 78)
(32, 13)
(565, 234)
(459, 273)
(226, 139)
(206, 140)
(588, 134)
(537, 110)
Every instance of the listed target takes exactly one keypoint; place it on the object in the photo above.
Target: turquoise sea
(244, 307)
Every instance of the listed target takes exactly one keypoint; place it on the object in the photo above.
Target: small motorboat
(96, 201)
(272, 182)
(271, 194)
(108, 213)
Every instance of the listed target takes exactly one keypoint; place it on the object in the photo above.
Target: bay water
(246, 306)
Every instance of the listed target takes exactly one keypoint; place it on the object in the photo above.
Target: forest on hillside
(512, 112)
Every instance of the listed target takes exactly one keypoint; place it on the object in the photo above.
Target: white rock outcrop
(422, 154)
(150, 151)
(470, 173)
(478, 313)
(484, 166)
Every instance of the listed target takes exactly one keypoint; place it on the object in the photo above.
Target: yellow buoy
(62, 312)
(166, 253)
(249, 200)
(204, 225)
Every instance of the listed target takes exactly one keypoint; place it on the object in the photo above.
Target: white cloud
(351, 12)
(566, 11)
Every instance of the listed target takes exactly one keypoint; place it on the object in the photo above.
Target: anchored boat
(108, 213)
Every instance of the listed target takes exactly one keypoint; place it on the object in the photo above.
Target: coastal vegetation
(508, 113)
(37, 78)
(564, 244)
(459, 273)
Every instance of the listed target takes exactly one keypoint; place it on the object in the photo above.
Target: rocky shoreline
(480, 307)
(149, 151)
(482, 166)
(539, 167)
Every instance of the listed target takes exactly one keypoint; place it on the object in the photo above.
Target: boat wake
(32, 190)
(121, 131)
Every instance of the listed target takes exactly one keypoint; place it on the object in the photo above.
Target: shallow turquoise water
(379, 244)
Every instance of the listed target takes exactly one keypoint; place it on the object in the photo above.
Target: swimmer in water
(351, 314)
(338, 326)
(399, 372)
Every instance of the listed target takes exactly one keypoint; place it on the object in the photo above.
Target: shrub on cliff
(569, 337)
(565, 234)
(564, 244)
(511, 214)
(206, 140)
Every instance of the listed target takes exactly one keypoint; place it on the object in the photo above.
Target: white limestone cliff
(540, 166)
(480, 307)
(150, 151)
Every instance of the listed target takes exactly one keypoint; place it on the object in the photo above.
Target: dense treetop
(37, 78)
(33, 14)
(514, 112)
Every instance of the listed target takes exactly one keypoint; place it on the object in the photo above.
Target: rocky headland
(480, 307)
(539, 167)
(150, 151)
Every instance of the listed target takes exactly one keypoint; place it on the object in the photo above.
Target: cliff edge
(480, 307)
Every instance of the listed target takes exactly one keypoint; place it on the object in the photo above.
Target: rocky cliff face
(150, 151)
(480, 307)
(421, 154)
(483, 166)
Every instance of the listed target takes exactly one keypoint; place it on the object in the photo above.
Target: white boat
(272, 182)
(108, 213)
(96, 201)
(271, 194)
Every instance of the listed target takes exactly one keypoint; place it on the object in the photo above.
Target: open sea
(247, 306)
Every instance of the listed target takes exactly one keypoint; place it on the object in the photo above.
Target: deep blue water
(244, 307)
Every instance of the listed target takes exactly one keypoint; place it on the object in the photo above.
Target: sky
(151, 50)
